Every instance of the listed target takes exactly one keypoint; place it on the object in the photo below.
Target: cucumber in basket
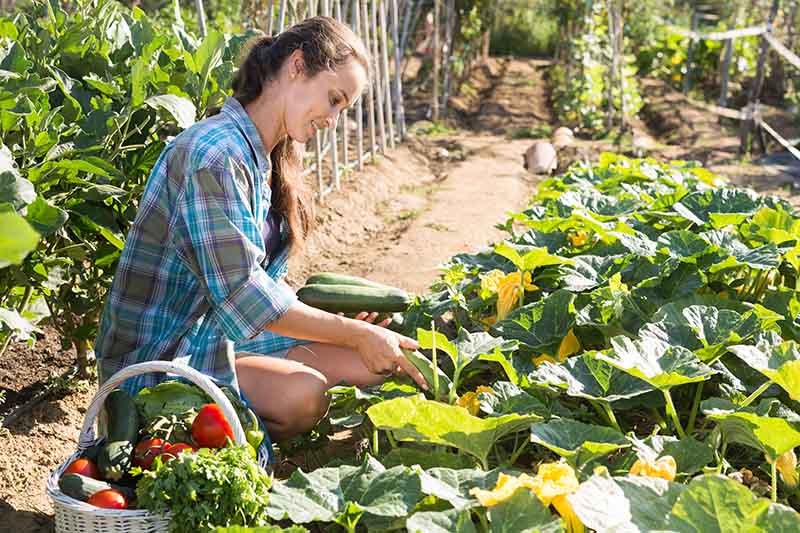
(354, 298)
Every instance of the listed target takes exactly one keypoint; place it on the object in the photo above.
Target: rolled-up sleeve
(218, 237)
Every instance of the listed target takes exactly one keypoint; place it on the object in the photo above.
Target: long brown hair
(326, 44)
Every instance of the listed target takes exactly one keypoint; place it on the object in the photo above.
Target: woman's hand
(370, 317)
(380, 350)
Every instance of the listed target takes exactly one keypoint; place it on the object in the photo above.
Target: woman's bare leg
(291, 394)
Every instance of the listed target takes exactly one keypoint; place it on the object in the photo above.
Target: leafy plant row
(88, 98)
(627, 359)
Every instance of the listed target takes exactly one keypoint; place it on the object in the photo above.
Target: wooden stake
(435, 53)
(377, 81)
(201, 17)
(398, 81)
(356, 14)
(386, 85)
(371, 86)
(345, 128)
(687, 79)
(282, 16)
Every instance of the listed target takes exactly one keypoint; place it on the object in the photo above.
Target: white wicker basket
(75, 516)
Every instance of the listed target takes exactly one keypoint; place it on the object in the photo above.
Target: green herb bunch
(207, 489)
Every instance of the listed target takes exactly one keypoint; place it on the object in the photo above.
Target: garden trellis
(752, 120)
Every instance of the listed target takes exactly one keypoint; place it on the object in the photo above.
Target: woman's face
(315, 102)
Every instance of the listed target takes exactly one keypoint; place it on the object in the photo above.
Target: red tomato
(172, 451)
(108, 499)
(84, 467)
(147, 450)
(210, 429)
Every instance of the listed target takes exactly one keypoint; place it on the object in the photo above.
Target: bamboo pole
(333, 132)
(687, 79)
(386, 85)
(620, 57)
(370, 87)
(282, 16)
(378, 81)
(749, 125)
(201, 17)
(355, 13)
(345, 120)
(270, 17)
(435, 55)
(450, 18)
(398, 81)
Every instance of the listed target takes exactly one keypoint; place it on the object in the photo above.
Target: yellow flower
(470, 402)
(542, 358)
(579, 238)
(663, 467)
(508, 292)
(490, 281)
(552, 483)
(569, 345)
(490, 320)
(787, 466)
(505, 487)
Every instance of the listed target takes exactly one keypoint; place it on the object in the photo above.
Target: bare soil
(396, 222)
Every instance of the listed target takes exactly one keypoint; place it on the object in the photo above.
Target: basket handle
(199, 379)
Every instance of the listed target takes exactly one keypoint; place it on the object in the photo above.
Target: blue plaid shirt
(194, 283)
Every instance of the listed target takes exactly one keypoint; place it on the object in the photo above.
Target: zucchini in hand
(354, 298)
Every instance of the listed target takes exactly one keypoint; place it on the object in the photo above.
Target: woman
(200, 279)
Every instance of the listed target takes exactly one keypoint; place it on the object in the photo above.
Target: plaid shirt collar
(236, 112)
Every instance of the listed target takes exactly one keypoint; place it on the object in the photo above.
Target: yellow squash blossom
(570, 345)
(470, 402)
(508, 292)
(552, 484)
(663, 467)
(578, 239)
(787, 466)
(490, 282)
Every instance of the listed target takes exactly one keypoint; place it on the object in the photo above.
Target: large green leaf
(569, 438)
(523, 513)
(530, 258)
(17, 239)
(698, 207)
(541, 325)
(690, 455)
(625, 504)
(182, 109)
(450, 521)
(419, 420)
(713, 503)
(683, 245)
(325, 494)
(661, 365)
(508, 398)
(773, 436)
(45, 217)
(780, 364)
(585, 376)
(462, 481)
(14, 189)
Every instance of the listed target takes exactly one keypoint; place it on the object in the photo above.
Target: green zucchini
(332, 278)
(82, 487)
(115, 458)
(352, 298)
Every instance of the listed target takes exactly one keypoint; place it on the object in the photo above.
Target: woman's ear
(297, 64)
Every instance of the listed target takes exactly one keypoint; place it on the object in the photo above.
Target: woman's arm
(378, 347)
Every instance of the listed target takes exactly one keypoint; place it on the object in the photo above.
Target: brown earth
(432, 197)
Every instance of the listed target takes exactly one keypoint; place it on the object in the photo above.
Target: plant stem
(484, 521)
(659, 419)
(756, 393)
(698, 395)
(774, 467)
(392, 440)
(375, 447)
(435, 364)
(521, 287)
(673, 414)
(517, 452)
(610, 414)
